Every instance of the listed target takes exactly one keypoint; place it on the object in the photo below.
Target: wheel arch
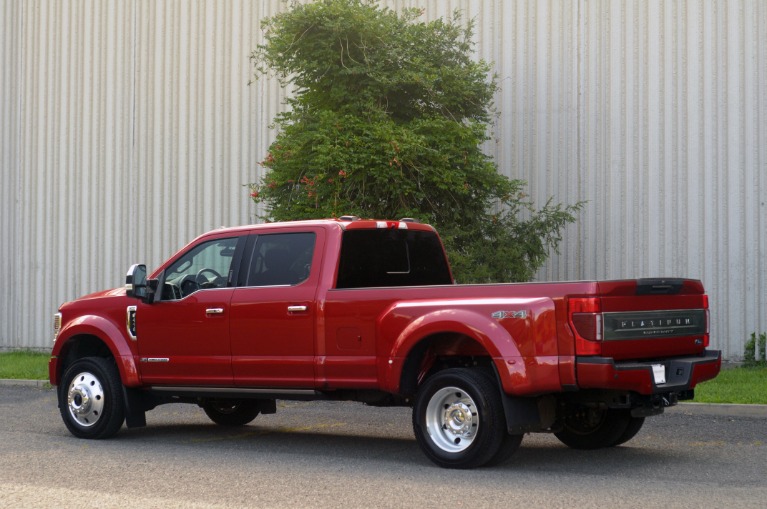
(437, 352)
(93, 336)
(462, 338)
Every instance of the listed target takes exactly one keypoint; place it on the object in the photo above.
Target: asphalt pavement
(331, 454)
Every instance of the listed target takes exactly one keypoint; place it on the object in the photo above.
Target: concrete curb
(40, 384)
(720, 409)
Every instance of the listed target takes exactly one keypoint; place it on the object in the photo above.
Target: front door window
(205, 266)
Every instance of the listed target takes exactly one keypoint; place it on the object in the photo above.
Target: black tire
(593, 428)
(231, 412)
(91, 399)
(635, 424)
(458, 419)
(509, 446)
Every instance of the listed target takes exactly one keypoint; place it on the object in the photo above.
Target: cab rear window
(382, 257)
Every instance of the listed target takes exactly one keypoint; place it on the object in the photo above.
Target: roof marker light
(391, 225)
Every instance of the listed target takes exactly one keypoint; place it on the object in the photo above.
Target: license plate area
(659, 373)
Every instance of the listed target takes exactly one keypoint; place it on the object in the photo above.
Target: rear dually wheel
(458, 419)
(595, 428)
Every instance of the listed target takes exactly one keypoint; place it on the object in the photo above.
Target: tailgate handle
(659, 286)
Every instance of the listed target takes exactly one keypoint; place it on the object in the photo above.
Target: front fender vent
(130, 322)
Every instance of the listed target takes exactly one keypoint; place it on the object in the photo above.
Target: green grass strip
(24, 365)
(747, 385)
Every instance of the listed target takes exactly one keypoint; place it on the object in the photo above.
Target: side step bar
(238, 392)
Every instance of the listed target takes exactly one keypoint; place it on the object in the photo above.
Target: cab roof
(344, 222)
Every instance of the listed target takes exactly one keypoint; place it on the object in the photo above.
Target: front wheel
(458, 419)
(231, 412)
(91, 398)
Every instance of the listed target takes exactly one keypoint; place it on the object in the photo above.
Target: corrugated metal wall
(128, 128)
(656, 113)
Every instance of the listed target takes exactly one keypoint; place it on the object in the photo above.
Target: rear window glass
(376, 258)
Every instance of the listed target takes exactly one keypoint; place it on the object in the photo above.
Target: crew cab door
(273, 310)
(183, 337)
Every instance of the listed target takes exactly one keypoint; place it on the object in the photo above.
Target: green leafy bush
(755, 351)
(386, 120)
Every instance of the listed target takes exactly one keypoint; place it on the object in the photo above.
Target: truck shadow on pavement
(334, 443)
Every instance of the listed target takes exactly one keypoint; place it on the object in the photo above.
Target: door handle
(297, 309)
(214, 311)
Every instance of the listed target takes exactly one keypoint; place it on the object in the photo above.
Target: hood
(103, 294)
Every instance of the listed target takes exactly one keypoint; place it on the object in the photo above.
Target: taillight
(585, 317)
(707, 336)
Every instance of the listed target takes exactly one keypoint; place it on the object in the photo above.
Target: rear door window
(281, 259)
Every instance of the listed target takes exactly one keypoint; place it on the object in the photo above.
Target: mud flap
(524, 415)
(135, 413)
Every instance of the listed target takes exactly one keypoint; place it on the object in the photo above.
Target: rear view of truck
(587, 361)
(640, 346)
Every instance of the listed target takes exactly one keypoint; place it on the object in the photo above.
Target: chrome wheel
(91, 400)
(452, 419)
(85, 399)
(458, 419)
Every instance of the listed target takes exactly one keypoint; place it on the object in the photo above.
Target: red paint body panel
(273, 346)
(195, 344)
(270, 345)
(311, 335)
(100, 315)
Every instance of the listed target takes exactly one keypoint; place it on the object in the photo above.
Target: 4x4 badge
(500, 315)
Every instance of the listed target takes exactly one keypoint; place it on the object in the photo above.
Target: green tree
(385, 120)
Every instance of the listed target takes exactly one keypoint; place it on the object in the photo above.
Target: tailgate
(652, 318)
(642, 319)
(647, 335)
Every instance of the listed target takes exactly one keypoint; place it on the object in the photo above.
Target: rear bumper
(682, 373)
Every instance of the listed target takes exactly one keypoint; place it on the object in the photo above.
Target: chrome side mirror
(136, 284)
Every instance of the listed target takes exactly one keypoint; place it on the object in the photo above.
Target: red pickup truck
(368, 311)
